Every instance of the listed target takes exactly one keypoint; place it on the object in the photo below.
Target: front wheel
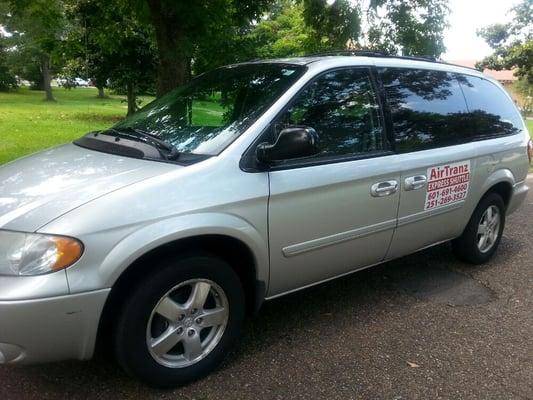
(178, 324)
(482, 235)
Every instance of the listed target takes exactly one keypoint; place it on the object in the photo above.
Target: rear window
(490, 110)
(428, 109)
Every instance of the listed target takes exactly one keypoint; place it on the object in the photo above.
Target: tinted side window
(343, 109)
(491, 112)
(428, 108)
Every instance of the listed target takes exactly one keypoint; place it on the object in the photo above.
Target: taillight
(530, 150)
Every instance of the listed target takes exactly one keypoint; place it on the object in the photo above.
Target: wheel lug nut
(191, 332)
(193, 311)
(180, 330)
(180, 318)
(198, 320)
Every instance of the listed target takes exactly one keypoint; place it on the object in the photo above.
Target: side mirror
(294, 142)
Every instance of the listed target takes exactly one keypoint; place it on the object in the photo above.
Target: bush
(7, 80)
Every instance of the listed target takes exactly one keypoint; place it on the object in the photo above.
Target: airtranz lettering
(446, 171)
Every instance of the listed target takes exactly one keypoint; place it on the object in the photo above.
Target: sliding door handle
(382, 189)
(415, 182)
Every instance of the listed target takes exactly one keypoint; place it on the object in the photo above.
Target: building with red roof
(505, 77)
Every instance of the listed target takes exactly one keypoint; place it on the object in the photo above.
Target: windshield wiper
(173, 152)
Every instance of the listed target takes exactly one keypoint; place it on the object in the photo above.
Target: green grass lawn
(28, 124)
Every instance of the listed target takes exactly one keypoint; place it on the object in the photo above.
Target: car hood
(39, 188)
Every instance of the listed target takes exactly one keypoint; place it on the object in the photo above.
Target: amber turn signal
(68, 251)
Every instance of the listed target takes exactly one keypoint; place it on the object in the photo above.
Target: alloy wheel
(187, 323)
(488, 229)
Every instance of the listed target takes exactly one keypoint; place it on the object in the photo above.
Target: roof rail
(417, 58)
(360, 53)
(371, 53)
(458, 65)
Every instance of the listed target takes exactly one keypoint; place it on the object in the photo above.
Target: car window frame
(249, 163)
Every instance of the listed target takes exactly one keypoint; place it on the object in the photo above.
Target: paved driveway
(422, 327)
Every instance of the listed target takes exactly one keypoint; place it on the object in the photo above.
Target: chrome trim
(330, 240)
(409, 219)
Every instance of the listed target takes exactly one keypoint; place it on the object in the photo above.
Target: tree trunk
(101, 93)
(47, 77)
(132, 99)
(174, 54)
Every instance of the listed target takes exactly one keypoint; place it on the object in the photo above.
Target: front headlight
(36, 254)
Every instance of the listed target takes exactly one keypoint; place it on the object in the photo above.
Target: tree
(111, 43)
(335, 24)
(199, 35)
(80, 46)
(283, 30)
(409, 27)
(36, 27)
(512, 42)
(180, 27)
(7, 78)
(283, 33)
(25, 63)
(299, 27)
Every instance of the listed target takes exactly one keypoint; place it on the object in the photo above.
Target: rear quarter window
(491, 112)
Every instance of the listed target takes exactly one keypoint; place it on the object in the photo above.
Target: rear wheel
(482, 235)
(178, 324)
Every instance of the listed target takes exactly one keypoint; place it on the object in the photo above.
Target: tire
(175, 290)
(469, 247)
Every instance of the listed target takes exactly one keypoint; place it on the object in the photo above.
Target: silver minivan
(159, 235)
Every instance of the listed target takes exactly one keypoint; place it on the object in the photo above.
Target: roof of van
(380, 61)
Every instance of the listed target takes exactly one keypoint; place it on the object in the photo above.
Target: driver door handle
(415, 182)
(382, 189)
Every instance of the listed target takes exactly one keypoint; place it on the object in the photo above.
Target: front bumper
(50, 329)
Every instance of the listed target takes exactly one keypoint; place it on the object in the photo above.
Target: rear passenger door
(432, 139)
(334, 212)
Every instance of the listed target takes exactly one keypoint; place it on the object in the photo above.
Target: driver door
(335, 212)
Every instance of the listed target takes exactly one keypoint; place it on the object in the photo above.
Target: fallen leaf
(412, 364)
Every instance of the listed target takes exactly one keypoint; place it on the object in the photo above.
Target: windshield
(206, 115)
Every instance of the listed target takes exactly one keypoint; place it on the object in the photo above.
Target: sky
(466, 16)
